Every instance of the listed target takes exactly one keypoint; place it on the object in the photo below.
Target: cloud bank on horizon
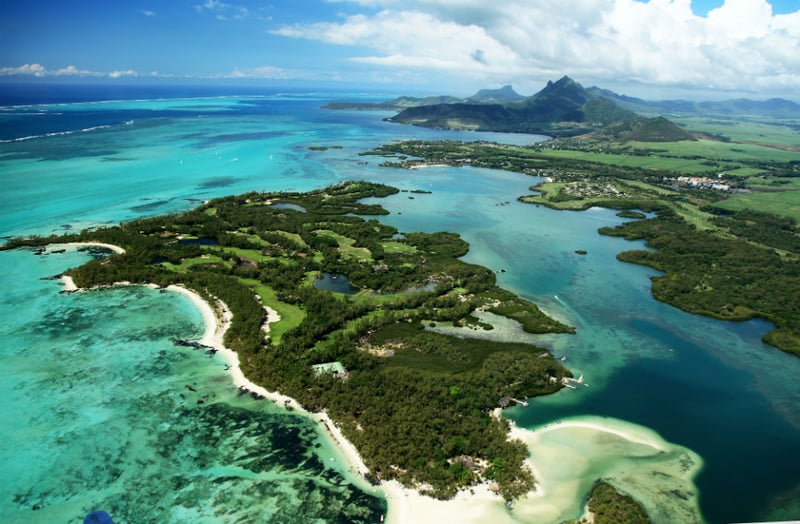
(732, 45)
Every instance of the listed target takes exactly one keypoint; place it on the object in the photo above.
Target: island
(718, 212)
(358, 302)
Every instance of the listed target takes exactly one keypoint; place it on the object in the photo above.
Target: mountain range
(565, 108)
(772, 108)
(503, 95)
(562, 108)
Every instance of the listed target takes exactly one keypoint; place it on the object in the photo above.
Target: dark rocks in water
(194, 345)
(243, 391)
(190, 388)
(372, 479)
(256, 396)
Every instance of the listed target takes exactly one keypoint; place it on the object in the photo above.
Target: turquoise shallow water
(711, 386)
(93, 379)
(103, 411)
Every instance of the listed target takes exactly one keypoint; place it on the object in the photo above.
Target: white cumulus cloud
(120, 74)
(269, 72)
(71, 70)
(25, 69)
(742, 45)
(39, 70)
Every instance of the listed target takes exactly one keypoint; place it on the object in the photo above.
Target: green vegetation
(562, 108)
(784, 203)
(726, 278)
(415, 403)
(720, 257)
(640, 129)
(609, 506)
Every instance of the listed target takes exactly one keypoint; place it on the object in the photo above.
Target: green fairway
(346, 248)
(291, 316)
(189, 263)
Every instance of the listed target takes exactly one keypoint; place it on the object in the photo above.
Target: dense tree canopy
(417, 404)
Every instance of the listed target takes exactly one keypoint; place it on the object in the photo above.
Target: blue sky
(452, 46)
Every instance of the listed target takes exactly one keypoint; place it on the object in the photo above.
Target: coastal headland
(567, 457)
(362, 357)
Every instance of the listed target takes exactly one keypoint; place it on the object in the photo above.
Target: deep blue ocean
(99, 413)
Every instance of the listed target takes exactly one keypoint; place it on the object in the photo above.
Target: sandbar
(567, 457)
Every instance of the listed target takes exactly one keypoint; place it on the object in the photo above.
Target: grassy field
(189, 263)
(721, 151)
(291, 315)
(746, 172)
(698, 153)
(774, 184)
(682, 165)
(692, 214)
(346, 248)
(785, 203)
(397, 247)
(775, 133)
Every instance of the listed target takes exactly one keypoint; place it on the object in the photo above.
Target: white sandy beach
(405, 505)
(69, 283)
(111, 247)
(578, 452)
(216, 325)
(566, 457)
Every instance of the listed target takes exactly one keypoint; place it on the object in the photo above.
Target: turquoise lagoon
(105, 412)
